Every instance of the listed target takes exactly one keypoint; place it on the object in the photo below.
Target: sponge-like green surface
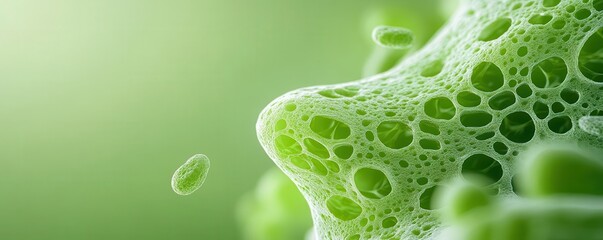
(500, 76)
(191, 175)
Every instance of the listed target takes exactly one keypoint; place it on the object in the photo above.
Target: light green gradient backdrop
(100, 101)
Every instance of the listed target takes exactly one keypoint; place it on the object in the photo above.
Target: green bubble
(274, 210)
(190, 176)
(463, 197)
(393, 37)
(558, 171)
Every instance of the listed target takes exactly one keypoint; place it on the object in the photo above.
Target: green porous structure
(498, 78)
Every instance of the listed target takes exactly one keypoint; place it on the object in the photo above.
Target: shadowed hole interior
(541, 110)
(316, 148)
(329, 128)
(300, 162)
(485, 136)
(475, 118)
(561, 124)
(286, 145)
(500, 148)
(518, 127)
(389, 222)
(540, 19)
(440, 108)
(598, 5)
(550, 3)
(590, 60)
(502, 100)
(468, 99)
(487, 77)
(557, 107)
(524, 90)
(495, 29)
(569, 96)
(549, 73)
(429, 127)
(343, 208)
(394, 134)
(433, 69)
(316, 166)
(429, 144)
(372, 183)
(344, 151)
(483, 165)
(582, 14)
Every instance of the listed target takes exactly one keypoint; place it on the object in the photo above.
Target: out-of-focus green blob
(419, 17)
(562, 186)
(392, 37)
(190, 176)
(423, 18)
(461, 198)
(561, 171)
(275, 210)
(530, 219)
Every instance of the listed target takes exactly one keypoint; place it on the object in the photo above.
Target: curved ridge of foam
(499, 77)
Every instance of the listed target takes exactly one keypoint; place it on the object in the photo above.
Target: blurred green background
(100, 101)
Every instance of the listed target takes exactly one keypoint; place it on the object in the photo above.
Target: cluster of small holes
(370, 155)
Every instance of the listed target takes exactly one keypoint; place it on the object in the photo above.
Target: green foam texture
(190, 176)
(500, 76)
